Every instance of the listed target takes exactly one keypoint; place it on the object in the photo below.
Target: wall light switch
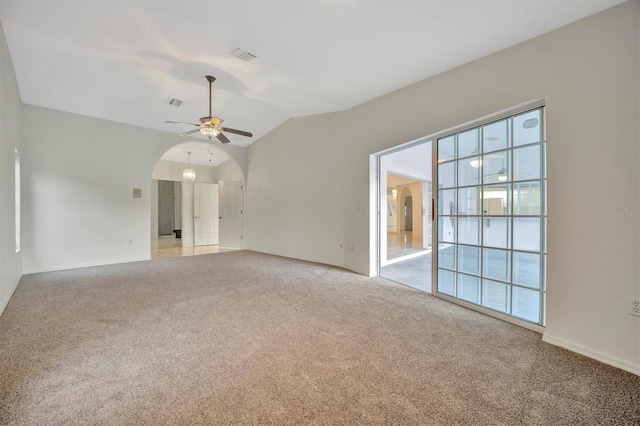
(137, 192)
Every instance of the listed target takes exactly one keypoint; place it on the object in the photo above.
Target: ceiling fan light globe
(475, 162)
(502, 178)
(209, 131)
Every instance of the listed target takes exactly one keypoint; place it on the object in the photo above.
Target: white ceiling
(119, 60)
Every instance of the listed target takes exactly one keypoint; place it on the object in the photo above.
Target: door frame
(378, 203)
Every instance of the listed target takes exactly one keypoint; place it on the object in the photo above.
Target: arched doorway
(199, 216)
(407, 210)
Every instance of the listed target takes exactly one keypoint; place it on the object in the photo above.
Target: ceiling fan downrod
(210, 79)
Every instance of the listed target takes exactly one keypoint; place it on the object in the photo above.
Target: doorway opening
(405, 216)
(199, 216)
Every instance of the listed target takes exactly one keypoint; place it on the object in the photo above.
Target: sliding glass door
(491, 189)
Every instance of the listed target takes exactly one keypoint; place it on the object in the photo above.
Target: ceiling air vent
(172, 101)
(242, 54)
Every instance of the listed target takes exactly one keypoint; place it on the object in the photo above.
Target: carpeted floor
(248, 338)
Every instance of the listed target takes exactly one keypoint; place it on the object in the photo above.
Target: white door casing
(205, 214)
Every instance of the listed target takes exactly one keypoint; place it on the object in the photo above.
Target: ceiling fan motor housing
(213, 121)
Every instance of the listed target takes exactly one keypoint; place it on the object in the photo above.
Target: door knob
(219, 217)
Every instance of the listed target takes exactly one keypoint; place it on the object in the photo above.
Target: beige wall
(10, 118)
(586, 72)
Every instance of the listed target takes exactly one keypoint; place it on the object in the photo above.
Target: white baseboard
(84, 265)
(366, 274)
(324, 262)
(582, 350)
(5, 301)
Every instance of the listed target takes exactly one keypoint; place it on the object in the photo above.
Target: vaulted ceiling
(121, 60)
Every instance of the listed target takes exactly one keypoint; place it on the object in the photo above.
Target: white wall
(588, 74)
(10, 118)
(229, 170)
(170, 170)
(78, 181)
(298, 188)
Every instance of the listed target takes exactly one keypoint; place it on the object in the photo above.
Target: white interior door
(205, 214)
(231, 214)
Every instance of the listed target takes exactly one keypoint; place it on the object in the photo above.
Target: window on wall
(492, 216)
(17, 199)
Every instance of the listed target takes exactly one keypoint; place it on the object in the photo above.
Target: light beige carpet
(248, 338)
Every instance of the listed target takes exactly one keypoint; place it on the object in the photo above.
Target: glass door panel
(491, 189)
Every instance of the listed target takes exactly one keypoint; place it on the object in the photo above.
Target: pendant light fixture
(189, 175)
(502, 173)
(476, 160)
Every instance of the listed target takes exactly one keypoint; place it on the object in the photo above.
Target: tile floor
(170, 246)
(402, 243)
(415, 271)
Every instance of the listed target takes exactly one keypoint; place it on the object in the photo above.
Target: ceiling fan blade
(189, 132)
(237, 132)
(181, 122)
(222, 138)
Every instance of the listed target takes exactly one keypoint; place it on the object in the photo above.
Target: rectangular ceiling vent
(172, 101)
(242, 54)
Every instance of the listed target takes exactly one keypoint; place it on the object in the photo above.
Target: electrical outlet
(130, 242)
(634, 306)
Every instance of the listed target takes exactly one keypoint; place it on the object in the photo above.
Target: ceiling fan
(501, 174)
(211, 126)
